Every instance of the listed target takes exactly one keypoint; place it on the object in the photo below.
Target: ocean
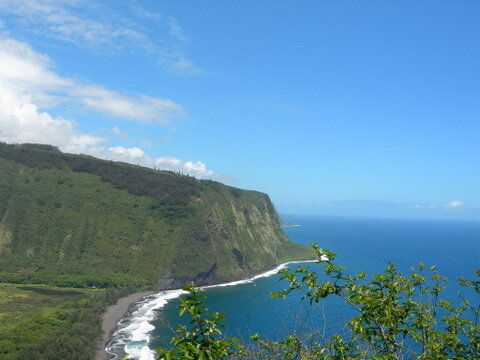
(362, 244)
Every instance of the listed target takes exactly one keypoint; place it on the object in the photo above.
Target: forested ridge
(74, 220)
(104, 229)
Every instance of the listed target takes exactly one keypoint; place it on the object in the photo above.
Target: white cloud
(28, 87)
(176, 62)
(136, 155)
(127, 153)
(197, 169)
(119, 133)
(147, 14)
(74, 22)
(98, 26)
(424, 206)
(22, 121)
(143, 108)
(176, 30)
(455, 204)
(28, 74)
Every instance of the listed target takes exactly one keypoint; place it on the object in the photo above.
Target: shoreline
(162, 296)
(110, 318)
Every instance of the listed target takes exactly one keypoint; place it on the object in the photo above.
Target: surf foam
(133, 333)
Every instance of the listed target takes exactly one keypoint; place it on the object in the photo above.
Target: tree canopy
(398, 317)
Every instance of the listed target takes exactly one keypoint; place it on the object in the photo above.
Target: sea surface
(362, 244)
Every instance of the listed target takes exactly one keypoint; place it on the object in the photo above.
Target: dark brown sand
(112, 316)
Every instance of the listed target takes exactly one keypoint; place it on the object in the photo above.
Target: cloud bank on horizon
(454, 209)
(30, 88)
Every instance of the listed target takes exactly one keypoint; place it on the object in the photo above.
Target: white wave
(135, 338)
(142, 352)
(256, 277)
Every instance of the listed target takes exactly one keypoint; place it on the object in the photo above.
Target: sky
(331, 107)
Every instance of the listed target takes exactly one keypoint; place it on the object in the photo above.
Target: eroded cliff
(76, 220)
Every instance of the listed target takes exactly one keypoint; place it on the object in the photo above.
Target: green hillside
(74, 220)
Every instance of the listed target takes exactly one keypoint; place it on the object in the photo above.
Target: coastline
(156, 301)
(112, 316)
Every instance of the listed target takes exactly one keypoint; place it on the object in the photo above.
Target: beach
(136, 333)
(110, 318)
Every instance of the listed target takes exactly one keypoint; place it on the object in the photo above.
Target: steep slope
(76, 220)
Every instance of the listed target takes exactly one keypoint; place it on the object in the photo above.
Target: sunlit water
(361, 244)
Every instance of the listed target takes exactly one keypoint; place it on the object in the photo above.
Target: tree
(203, 341)
(399, 317)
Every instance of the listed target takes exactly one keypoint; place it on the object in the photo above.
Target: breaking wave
(133, 332)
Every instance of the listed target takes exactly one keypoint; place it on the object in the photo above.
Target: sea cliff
(74, 220)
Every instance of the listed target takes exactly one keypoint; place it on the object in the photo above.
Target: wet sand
(112, 315)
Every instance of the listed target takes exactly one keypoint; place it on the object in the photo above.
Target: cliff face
(235, 234)
(76, 220)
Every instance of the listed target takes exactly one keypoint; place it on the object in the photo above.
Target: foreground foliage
(204, 339)
(399, 317)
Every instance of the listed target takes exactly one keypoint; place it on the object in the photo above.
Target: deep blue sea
(362, 244)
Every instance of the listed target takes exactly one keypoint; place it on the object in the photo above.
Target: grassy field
(37, 320)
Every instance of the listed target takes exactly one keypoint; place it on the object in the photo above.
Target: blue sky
(321, 104)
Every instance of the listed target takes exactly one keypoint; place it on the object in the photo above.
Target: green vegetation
(203, 340)
(107, 229)
(399, 317)
(76, 221)
(39, 322)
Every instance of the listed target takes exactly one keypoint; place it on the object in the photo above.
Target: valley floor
(38, 320)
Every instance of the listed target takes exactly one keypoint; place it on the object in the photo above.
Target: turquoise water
(362, 245)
